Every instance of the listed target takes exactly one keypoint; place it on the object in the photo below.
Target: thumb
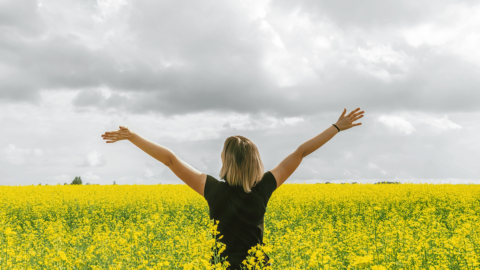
(344, 111)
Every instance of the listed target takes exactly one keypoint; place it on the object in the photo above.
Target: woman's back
(240, 214)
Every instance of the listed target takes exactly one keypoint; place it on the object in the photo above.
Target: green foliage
(77, 181)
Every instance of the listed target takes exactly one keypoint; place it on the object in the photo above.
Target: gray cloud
(371, 13)
(94, 159)
(210, 56)
(22, 17)
(190, 74)
(438, 83)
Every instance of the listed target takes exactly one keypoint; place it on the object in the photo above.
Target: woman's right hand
(346, 122)
(123, 133)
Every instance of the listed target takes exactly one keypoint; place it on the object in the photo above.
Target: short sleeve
(269, 183)
(211, 187)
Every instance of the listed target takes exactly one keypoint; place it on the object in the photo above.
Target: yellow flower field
(307, 226)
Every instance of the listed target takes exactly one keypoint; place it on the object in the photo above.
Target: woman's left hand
(122, 134)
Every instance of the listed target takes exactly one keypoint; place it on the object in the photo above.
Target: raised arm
(192, 177)
(158, 152)
(290, 163)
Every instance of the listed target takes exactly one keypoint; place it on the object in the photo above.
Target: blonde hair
(242, 165)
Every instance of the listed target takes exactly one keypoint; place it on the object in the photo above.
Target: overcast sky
(188, 74)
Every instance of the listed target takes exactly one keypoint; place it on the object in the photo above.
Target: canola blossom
(307, 226)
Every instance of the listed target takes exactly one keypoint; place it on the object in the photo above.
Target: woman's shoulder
(268, 182)
(212, 186)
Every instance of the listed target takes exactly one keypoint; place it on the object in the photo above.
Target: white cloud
(352, 173)
(455, 30)
(285, 62)
(38, 152)
(125, 180)
(249, 122)
(293, 120)
(88, 177)
(372, 165)
(426, 34)
(95, 159)
(147, 173)
(375, 167)
(254, 9)
(18, 156)
(108, 8)
(106, 92)
(382, 53)
(206, 125)
(64, 178)
(382, 62)
(15, 155)
(441, 124)
(397, 123)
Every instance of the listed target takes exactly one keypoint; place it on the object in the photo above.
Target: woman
(239, 203)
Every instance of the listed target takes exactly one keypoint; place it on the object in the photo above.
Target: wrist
(132, 136)
(336, 127)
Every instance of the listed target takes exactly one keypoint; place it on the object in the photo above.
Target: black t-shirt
(240, 214)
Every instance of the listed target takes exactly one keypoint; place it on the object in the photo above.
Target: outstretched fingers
(121, 134)
(357, 117)
(353, 112)
(111, 137)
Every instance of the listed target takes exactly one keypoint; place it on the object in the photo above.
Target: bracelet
(337, 127)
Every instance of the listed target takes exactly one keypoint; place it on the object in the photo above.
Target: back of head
(242, 165)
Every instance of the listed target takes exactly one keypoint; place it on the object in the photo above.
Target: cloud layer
(192, 73)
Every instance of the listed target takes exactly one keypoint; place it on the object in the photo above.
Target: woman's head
(242, 165)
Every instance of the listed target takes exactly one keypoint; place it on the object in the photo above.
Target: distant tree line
(76, 181)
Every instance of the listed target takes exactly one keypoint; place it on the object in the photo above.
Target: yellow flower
(363, 261)
(188, 266)
(205, 263)
(222, 249)
(170, 223)
(62, 255)
(8, 231)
